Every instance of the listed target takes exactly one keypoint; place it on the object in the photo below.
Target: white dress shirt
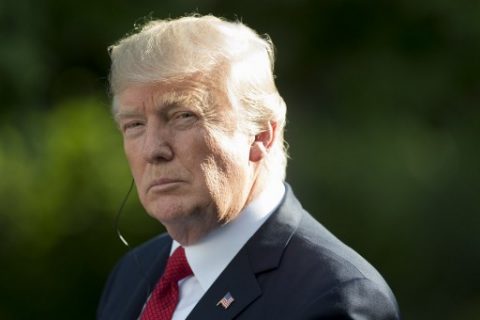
(211, 255)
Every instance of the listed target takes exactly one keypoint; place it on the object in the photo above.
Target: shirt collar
(211, 255)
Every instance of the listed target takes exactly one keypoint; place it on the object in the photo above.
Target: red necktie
(164, 297)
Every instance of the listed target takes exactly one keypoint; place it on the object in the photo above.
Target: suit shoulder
(353, 299)
(322, 247)
(129, 271)
(149, 249)
(328, 261)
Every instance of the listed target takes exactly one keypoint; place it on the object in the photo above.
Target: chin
(168, 212)
(166, 216)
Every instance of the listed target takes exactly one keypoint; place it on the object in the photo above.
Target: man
(202, 124)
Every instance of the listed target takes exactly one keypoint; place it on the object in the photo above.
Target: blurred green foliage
(384, 125)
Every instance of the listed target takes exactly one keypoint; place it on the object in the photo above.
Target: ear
(262, 143)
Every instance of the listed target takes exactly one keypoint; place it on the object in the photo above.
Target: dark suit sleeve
(357, 299)
(108, 288)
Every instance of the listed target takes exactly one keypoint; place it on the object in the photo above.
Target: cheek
(215, 180)
(134, 160)
(225, 181)
(213, 173)
(223, 172)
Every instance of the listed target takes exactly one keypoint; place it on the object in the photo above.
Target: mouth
(163, 184)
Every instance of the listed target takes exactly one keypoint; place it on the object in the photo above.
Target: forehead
(205, 95)
(162, 93)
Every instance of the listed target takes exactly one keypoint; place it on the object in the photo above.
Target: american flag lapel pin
(226, 301)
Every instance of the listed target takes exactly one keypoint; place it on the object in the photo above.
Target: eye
(184, 115)
(184, 119)
(131, 125)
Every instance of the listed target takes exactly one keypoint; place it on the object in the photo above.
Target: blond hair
(165, 50)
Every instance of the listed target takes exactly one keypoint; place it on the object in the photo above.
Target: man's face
(187, 155)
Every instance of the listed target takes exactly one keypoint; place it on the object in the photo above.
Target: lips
(162, 184)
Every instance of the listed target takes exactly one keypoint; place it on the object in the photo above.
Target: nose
(157, 145)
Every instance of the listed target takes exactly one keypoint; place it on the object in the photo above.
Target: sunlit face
(187, 155)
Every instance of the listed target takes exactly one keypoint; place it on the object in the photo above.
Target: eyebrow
(166, 103)
(125, 115)
(163, 109)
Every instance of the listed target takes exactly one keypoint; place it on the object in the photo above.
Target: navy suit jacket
(291, 268)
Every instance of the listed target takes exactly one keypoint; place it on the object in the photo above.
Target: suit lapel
(238, 280)
(261, 253)
(266, 247)
(148, 275)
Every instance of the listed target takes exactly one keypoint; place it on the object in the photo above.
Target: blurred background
(384, 121)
